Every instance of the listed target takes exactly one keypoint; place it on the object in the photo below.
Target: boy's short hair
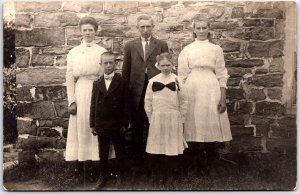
(162, 56)
(144, 17)
(108, 54)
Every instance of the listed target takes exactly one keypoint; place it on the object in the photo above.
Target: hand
(94, 132)
(222, 106)
(123, 129)
(72, 109)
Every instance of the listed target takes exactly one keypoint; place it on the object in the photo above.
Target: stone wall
(252, 35)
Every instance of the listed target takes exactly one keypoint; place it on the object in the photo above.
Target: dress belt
(199, 68)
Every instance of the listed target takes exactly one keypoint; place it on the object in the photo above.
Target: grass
(254, 171)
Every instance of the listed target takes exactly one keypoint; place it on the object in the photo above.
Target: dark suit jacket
(109, 108)
(134, 66)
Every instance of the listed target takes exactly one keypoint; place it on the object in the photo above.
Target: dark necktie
(157, 86)
(146, 49)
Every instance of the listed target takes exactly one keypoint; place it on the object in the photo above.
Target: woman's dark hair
(162, 56)
(88, 20)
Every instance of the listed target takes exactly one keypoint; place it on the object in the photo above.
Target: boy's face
(165, 66)
(108, 63)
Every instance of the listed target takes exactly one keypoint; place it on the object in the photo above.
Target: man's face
(108, 63)
(145, 28)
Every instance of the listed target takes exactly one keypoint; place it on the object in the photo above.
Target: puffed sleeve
(183, 65)
(70, 80)
(220, 69)
(148, 100)
(183, 99)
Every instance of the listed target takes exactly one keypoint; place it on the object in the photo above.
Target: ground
(251, 171)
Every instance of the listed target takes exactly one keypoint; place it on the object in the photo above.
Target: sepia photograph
(149, 95)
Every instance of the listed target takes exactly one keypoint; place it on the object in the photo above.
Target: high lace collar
(201, 41)
(87, 44)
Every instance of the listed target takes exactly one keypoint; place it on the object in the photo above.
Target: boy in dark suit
(108, 117)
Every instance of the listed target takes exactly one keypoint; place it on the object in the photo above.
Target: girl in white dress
(201, 66)
(83, 67)
(165, 106)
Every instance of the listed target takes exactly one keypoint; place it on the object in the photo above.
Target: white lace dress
(165, 110)
(201, 66)
(83, 67)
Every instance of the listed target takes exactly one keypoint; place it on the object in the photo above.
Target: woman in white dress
(201, 65)
(83, 67)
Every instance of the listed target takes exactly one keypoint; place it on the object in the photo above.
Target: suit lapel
(102, 85)
(113, 84)
(153, 44)
(139, 47)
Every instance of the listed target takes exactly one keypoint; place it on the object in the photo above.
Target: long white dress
(201, 65)
(83, 67)
(165, 110)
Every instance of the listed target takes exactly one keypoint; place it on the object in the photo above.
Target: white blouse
(82, 61)
(203, 54)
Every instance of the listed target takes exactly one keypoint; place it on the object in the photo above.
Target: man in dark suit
(108, 115)
(138, 67)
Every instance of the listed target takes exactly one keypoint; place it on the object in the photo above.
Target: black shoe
(101, 182)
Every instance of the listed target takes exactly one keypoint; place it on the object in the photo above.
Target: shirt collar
(143, 39)
(109, 75)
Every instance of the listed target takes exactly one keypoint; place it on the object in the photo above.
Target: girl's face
(201, 30)
(165, 66)
(88, 32)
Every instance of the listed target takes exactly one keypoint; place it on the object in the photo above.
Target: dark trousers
(105, 138)
(140, 125)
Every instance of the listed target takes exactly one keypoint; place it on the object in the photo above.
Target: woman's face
(201, 30)
(88, 32)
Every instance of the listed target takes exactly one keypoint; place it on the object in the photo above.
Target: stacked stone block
(250, 33)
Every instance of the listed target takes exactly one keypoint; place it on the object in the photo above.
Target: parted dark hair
(108, 54)
(162, 56)
(88, 20)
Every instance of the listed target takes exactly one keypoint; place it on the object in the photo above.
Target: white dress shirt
(108, 81)
(144, 44)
